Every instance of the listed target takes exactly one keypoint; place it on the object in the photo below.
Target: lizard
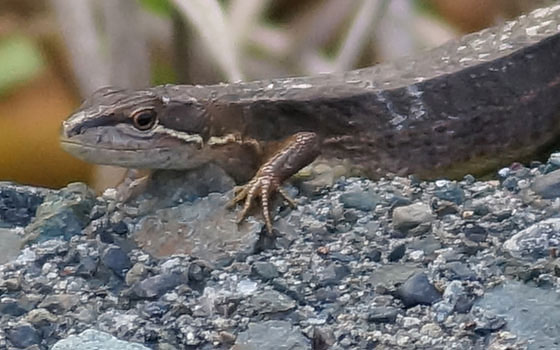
(469, 105)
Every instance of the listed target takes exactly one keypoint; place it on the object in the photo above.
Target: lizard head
(137, 129)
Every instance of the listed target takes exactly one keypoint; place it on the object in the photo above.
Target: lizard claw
(261, 186)
(296, 152)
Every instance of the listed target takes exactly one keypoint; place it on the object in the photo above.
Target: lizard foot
(292, 155)
(263, 187)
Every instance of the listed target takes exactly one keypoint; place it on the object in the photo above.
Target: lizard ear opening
(144, 119)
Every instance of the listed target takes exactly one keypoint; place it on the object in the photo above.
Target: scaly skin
(482, 101)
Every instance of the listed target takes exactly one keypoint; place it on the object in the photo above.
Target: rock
(460, 271)
(155, 309)
(418, 290)
(432, 330)
(136, 273)
(397, 253)
(361, 200)
(271, 301)
(382, 314)
(24, 335)
(486, 322)
(450, 191)
(18, 204)
(388, 276)
(547, 186)
(59, 303)
(475, 233)
(156, 286)
(87, 266)
(373, 254)
(204, 228)
(535, 241)
(40, 317)
(63, 213)
(264, 270)
(95, 340)
(455, 299)
(116, 259)
(10, 245)
(527, 309)
(428, 245)
(9, 306)
(408, 217)
(332, 274)
(271, 335)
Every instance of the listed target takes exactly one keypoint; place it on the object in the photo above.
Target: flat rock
(527, 311)
(271, 335)
(10, 244)
(408, 217)
(548, 185)
(388, 276)
(95, 340)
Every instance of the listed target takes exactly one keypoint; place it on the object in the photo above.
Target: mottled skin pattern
(470, 105)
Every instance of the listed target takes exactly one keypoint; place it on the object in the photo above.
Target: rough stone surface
(94, 340)
(410, 216)
(273, 335)
(172, 270)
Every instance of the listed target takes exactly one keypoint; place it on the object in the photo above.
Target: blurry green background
(54, 53)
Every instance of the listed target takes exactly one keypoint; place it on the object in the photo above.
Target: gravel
(390, 264)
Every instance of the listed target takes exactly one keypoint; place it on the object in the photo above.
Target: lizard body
(467, 106)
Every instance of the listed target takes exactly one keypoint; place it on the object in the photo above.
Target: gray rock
(535, 241)
(95, 340)
(137, 273)
(62, 214)
(388, 276)
(204, 228)
(156, 286)
(10, 244)
(271, 335)
(59, 303)
(530, 312)
(450, 191)
(116, 259)
(18, 204)
(408, 217)
(455, 299)
(486, 322)
(40, 316)
(362, 200)
(332, 274)
(547, 186)
(382, 314)
(418, 290)
(9, 306)
(459, 270)
(24, 335)
(264, 270)
(271, 301)
(397, 253)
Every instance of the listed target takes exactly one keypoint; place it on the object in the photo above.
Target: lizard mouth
(72, 145)
(161, 157)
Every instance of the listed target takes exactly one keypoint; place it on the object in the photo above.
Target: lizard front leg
(293, 154)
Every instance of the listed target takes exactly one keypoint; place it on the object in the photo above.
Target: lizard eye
(144, 119)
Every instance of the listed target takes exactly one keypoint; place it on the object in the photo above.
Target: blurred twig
(128, 52)
(366, 19)
(211, 24)
(76, 20)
